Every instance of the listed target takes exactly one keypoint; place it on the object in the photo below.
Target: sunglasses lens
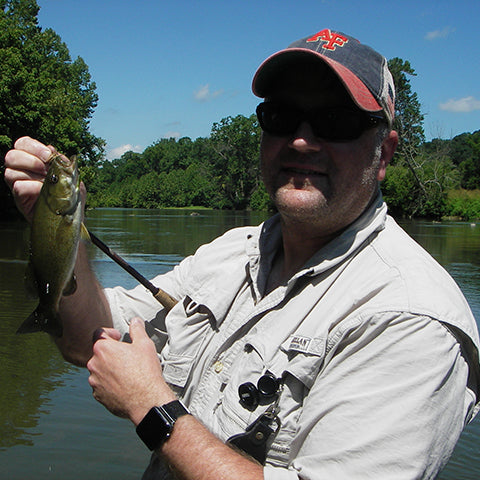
(333, 124)
(277, 119)
(338, 124)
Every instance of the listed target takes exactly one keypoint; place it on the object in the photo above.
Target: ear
(389, 146)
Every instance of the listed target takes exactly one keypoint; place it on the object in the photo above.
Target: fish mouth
(67, 164)
(69, 167)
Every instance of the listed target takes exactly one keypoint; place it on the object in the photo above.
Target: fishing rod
(160, 295)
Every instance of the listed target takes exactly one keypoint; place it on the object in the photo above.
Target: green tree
(437, 175)
(408, 117)
(465, 152)
(130, 165)
(43, 92)
(397, 189)
(406, 173)
(236, 141)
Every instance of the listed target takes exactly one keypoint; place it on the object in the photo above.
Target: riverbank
(463, 204)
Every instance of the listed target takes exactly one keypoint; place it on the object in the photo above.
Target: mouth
(303, 170)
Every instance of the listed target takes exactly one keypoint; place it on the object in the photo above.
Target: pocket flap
(306, 357)
(188, 324)
(176, 369)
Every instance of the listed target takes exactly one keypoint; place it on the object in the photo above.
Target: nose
(304, 140)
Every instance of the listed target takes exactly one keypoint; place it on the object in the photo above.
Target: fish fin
(39, 322)
(31, 284)
(70, 287)
(84, 233)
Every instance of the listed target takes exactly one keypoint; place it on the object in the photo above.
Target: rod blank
(160, 295)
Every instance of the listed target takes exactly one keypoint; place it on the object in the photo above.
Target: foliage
(408, 123)
(218, 172)
(42, 91)
(464, 204)
(235, 141)
(421, 192)
(260, 200)
(408, 117)
(422, 173)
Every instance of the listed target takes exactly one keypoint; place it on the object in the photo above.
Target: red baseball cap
(362, 70)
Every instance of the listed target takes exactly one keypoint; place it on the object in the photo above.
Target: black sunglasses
(337, 124)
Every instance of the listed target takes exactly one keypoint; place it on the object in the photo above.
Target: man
(324, 343)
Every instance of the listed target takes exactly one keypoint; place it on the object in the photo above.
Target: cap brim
(278, 62)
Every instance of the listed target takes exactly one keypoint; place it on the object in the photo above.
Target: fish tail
(40, 321)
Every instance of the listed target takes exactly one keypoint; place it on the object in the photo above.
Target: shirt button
(218, 366)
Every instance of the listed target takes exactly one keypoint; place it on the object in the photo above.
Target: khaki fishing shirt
(375, 343)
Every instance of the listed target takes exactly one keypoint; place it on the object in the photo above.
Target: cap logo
(332, 39)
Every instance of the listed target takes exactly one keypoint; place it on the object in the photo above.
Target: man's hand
(127, 377)
(25, 169)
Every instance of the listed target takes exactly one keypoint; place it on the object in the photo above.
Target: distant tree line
(222, 171)
(434, 179)
(441, 180)
(46, 94)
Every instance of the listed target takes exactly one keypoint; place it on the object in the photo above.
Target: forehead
(309, 84)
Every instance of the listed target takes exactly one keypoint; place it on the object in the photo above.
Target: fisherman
(324, 343)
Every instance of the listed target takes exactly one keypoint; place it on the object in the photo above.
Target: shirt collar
(262, 247)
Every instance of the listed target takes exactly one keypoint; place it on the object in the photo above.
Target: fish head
(61, 186)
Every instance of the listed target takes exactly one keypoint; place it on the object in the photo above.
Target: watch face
(157, 424)
(155, 428)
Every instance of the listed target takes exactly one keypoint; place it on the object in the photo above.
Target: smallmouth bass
(55, 234)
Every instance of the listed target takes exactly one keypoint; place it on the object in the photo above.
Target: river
(51, 428)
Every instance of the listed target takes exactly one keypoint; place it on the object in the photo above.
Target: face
(322, 184)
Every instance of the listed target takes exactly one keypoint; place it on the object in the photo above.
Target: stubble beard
(302, 206)
(319, 207)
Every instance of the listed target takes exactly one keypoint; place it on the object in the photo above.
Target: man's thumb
(137, 329)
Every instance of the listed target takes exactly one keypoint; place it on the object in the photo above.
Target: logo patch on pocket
(300, 344)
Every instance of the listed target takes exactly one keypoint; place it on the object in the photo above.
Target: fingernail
(45, 154)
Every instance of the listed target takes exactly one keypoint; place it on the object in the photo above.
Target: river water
(51, 428)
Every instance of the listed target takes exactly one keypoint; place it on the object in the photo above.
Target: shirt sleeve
(390, 403)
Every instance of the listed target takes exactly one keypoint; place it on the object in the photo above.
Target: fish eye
(53, 179)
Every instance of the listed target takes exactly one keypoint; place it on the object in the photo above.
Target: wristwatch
(157, 425)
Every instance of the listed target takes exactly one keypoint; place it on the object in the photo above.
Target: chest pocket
(304, 361)
(298, 370)
(188, 325)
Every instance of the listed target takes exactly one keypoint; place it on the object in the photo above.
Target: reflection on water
(50, 427)
(30, 367)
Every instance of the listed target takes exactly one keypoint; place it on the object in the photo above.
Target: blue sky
(172, 69)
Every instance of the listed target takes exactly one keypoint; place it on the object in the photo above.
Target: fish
(55, 234)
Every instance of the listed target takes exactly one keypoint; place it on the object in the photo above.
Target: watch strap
(175, 409)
